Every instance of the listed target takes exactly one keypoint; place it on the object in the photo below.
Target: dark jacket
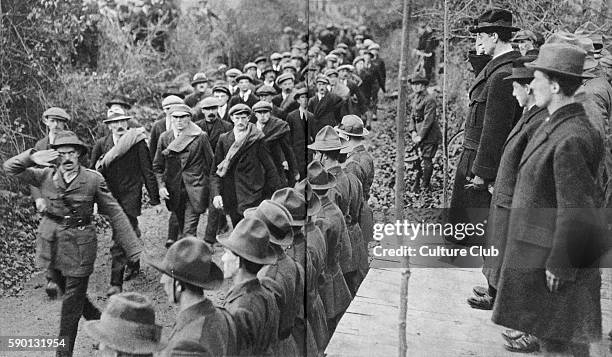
(287, 105)
(256, 316)
(423, 118)
(278, 140)
(380, 73)
(555, 225)
(326, 111)
(194, 98)
(186, 170)
(215, 129)
(301, 135)
(237, 99)
(316, 257)
(126, 175)
(72, 249)
(252, 175)
(158, 128)
(202, 330)
(501, 202)
(361, 163)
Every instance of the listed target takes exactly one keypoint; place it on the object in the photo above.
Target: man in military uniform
(66, 239)
(424, 130)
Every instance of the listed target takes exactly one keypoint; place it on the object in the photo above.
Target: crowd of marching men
(276, 150)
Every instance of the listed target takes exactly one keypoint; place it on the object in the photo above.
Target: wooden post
(444, 118)
(399, 171)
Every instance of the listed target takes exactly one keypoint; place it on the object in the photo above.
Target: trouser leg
(74, 305)
(216, 221)
(118, 257)
(191, 218)
(173, 227)
(427, 170)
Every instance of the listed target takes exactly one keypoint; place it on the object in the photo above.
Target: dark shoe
(114, 289)
(132, 270)
(169, 242)
(509, 335)
(481, 302)
(52, 290)
(480, 291)
(524, 344)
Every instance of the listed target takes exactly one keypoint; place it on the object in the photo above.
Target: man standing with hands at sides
(66, 240)
(424, 129)
(182, 165)
(300, 131)
(243, 173)
(201, 328)
(556, 237)
(122, 157)
(253, 307)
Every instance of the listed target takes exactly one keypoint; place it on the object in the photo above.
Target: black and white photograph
(305, 178)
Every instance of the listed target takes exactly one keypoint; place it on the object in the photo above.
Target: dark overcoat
(158, 128)
(126, 175)
(202, 330)
(501, 202)
(256, 316)
(186, 170)
(286, 105)
(316, 256)
(492, 114)
(555, 225)
(423, 118)
(340, 194)
(278, 140)
(326, 111)
(301, 135)
(251, 177)
(72, 250)
(360, 163)
(237, 99)
(214, 130)
(333, 289)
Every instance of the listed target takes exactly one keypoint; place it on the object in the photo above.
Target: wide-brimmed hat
(199, 78)
(260, 59)
(585, 43)
(284, 77)
(562, 59)
(209, 102)
(318, 177)
(249, 66)
(265, 90)
(519, 71)
(494, 19)
(276, 56)
(304, 189)
(233, 72)
(295, 203)
(116, 116)
(127, 325)
(222, 88)
(352, 125)
(327, 139)
(417, 78)
(120, 100)
(190, 260)
(250, 240)
(56, 113)
(277, 218)
(300, 91)
(67, 137)
(171, 100)
(239, 108)
(262, 106)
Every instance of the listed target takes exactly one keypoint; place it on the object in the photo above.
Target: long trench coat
(499, 214)
(555, 225)
(315, 272)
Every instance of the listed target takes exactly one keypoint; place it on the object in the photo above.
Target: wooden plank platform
(440, 322)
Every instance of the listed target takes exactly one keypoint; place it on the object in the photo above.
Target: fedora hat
(262, 106)
(585, 43)
(304, 189)
(190, 260)
(562, 59)
(494, 19)
(277, 218)
(233, 72)
(56, 113)
(327, 139)
(318, 177)
(116, 116)
(295, 203)
(250, 240)
(265, 90)
(417, 78)
(300, 91)
(171, 100)
(352, 125)
(199, 78)
(209, 102)
(519, 71)
(68, 138)
(127, 325)
(120, 100)
(239, 108)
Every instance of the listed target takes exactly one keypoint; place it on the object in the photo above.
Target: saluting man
(66, 239)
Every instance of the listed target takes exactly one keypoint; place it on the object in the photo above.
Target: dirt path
(31, 313)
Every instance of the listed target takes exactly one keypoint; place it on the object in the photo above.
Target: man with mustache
(123, 158)
(66, 238)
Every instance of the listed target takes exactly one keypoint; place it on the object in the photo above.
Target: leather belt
(70, 221)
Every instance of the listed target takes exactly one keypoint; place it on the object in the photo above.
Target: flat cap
(239, 108)
(374, 46)
(276, 56)
(286, 54)
(283, 77)
(288, 65)
(233, 72)
(209, 102)
(346, 67)
(244, 76)
(300, 91)
(262, 106)
(56, 113)
(249, 66)
(260, 59)
(265, 90)
(221, 88)
(322, 79)
(171, 100)
(331, 72)
(180, 110)
(331, 57)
